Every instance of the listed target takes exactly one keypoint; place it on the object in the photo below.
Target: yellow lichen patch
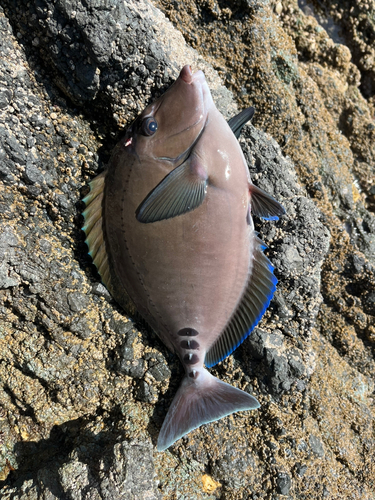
(356, 193)
(209, 484)
(24, 433)
(5, 471)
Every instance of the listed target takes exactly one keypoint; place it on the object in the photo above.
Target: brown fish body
(187, 271)
(179, 241)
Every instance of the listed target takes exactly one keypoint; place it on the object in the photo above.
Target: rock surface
(84, 390)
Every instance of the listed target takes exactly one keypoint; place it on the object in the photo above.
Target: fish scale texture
(83, 391)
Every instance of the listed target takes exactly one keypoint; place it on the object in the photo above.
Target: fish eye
(149, 126)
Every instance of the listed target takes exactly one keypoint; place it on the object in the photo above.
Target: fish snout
(188, 76)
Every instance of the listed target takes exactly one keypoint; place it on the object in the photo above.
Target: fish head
(169, 127)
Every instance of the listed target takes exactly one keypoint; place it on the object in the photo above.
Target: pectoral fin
(181, 191)
(263, 205)
(237, 122)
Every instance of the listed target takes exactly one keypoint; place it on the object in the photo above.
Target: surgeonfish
(168, 225)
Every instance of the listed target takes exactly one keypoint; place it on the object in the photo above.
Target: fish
(169, 227)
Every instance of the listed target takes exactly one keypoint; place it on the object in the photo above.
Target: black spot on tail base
(187, 332)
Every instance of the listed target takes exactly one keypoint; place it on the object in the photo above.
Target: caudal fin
(200, 401)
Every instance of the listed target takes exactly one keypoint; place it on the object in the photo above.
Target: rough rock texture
(84, 390)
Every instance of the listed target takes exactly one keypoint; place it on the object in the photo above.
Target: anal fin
(258, 294)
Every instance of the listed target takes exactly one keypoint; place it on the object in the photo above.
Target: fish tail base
(200, 401)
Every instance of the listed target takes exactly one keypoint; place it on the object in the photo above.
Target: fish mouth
(187, 75)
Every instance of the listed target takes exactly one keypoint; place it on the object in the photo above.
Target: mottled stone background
(84, 390)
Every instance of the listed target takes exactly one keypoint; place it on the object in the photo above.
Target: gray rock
(146, 392)
(7, 281)
(131, 473)
(316, 445)
(100, 290)
(77, 301)
(15, 150)
(82, 328)
(33, 175)
(128, 473)
(159, 370)
(5, 98)
(134, 368)
(284, 483)
(301, 469)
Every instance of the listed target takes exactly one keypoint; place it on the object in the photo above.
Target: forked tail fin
(199, 401)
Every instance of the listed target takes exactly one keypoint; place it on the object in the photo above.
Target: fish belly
(188, 271)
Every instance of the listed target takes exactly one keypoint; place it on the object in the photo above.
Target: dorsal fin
(258, 294)
(93, 228)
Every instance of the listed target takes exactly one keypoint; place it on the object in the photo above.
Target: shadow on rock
(77, 459)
